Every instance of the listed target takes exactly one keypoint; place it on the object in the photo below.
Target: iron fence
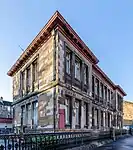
(51, 141)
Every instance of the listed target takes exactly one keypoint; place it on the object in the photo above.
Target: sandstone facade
(70, 90)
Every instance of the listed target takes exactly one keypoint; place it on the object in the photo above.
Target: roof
(5, 103)
(99, 70)
(55, 21)
(121, 90)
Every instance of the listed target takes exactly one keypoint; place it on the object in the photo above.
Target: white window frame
(77, 69)
(77, 112)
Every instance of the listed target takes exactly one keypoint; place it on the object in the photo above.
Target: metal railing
(46, 141)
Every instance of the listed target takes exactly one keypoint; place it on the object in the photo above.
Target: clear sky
(106, 26)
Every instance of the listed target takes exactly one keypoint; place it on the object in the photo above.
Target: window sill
(77, 79)
(68, 74)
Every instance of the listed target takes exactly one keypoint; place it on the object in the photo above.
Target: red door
(61, 118)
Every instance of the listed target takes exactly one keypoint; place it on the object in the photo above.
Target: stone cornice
(55, 20)
(99, 70)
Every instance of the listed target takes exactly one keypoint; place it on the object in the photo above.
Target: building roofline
(97, 68)
(125, 101)
(56, 19)
(109, 80)
(121, 90)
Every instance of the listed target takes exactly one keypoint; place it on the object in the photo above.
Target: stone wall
(44, 57)
(128, 113)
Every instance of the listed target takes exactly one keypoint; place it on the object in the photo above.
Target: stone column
(94, 86)
(104, 118)
(95, 117)
(73, 113)
(89, 81)
(73, 67)
(31, 115)
(82, 75)
(25, 86)
(90, 115)
(26, 114)
(82, 115)
(32, 84)
(107, 119)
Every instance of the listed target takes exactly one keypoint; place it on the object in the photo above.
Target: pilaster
(73, 113)
(99, 118)
(90, 115)
(82, 115)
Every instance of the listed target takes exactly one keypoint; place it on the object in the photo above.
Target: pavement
(121, 144)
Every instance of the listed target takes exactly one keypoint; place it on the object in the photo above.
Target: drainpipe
(54, 78)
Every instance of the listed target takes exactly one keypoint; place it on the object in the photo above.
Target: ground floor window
(29, 114)
(23, 115)
(77, 110)
(93, 114)
(35, 113)
(102, 118)
(85, 114)
(108, 119)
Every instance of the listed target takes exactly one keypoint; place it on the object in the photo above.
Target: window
(85, 74)
(102, 117)
(93, 86)
(111, 95)
(93, 116)
(35, 113)
(68, 62)
(101, 90)
(67, 111)
(97, 87)
(29, 114)
(108, 94)
(28, 79)
(85, 113)
(105, 93)
(23, 80)
(108, 119)
(77, 112)
(77, 69)
(35, 71)
(23, 115)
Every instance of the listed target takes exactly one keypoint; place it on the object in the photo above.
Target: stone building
(6, 116)
(57, 83)
(128, 113)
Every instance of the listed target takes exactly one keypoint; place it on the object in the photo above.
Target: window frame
(68, 68)
(77, 68)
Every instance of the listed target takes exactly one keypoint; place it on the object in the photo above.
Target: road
(121, 144)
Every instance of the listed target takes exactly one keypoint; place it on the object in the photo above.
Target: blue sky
(106, 26)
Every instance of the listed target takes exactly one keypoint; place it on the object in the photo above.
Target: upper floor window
(77, 68)
(35, 71)
(68, 62)
(93, 85)
(111, 95)
(23, 80)
(105, 92)
(85, 74)
(101, 90)
(108, 94)
(28, 79)
(97, 87)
